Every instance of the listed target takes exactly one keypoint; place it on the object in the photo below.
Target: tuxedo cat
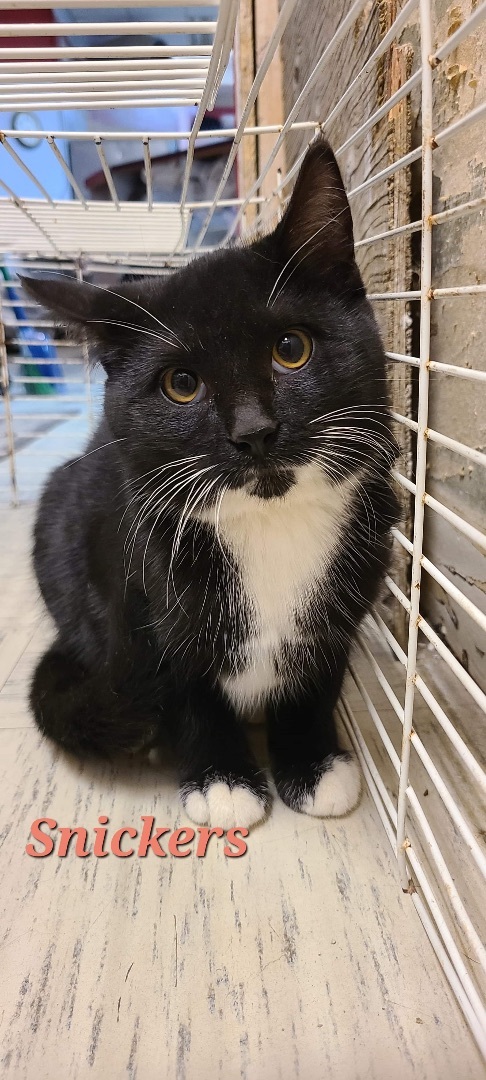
(218, 545)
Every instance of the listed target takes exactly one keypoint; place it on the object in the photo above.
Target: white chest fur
(282, 548)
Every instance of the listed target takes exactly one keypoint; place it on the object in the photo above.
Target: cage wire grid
(113, 237)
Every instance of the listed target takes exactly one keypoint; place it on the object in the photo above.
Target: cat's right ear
(315, 235)
(94, 312)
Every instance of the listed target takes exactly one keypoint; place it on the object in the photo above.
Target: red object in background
(34, 16)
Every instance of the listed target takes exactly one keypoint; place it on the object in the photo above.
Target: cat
(219, 544)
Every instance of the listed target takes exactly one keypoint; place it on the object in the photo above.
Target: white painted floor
(301, 959)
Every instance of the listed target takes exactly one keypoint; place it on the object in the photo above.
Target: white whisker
(129, 326)
(150, 506)
(159, 470)
(134, 303)
(165, 502)
(182, 522)
(83, 456)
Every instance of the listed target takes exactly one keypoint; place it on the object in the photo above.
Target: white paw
(337, 792)
(225, 807)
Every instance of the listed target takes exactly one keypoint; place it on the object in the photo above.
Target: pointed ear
(316, 231)
(79, 305)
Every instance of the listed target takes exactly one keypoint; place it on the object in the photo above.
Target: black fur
(144, 634)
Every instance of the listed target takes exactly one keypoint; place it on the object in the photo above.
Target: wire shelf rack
(412, 709)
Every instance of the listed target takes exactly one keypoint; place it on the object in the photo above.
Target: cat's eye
(182, 387)
(292, 350)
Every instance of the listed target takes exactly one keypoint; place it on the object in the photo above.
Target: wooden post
(270, 106)
(257, 20)
(247, 160)
(399, 317)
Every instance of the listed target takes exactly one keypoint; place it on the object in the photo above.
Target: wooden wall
(457, 407)
(386, 266)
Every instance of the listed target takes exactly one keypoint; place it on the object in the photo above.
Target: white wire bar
(148, 173)
(467, 758)
(408, 159)
(9, 427)
(443, 369)
(113, 226)
(443, 440)
(460, 598)
(460, 913)
(463, 676)
(467, 27)
(222, 46)
(401, 230)
(107, 172)
(340, 33)
(108, 52)
(423, 391)
(273, 44)
(113, 102)
(170, 136)
(437, 929)
(469, 207)
(383, 174)
(168, 68)
(447, 798)
(388, 39)
(472, 206)
(67, 171)
(110, 29)
(47, 80)
(474, 535)
(109, 80)
(378, 115)
(37, 5)
(25, 168)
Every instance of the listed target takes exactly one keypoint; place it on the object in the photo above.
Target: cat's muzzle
(268, 482)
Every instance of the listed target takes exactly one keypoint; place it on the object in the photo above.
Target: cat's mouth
(266, 481)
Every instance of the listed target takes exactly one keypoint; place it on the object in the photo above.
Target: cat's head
(261, 358)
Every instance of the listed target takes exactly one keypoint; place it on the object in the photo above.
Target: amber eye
(183, 387)
(292, 350)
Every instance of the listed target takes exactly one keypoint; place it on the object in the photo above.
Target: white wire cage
(413, 707)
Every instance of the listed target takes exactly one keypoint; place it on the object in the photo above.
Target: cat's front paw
(333, 791)
(225, 804)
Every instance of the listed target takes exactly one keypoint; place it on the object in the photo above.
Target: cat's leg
(312, 773)
(81, 712)
(220, 782)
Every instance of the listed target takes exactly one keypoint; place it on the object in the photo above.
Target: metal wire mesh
(405, 702)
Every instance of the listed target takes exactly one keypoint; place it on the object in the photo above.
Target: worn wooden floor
(300, 959)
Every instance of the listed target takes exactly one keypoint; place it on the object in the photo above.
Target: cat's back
(73, 517)
(79, 488)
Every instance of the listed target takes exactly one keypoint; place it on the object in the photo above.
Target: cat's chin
(269, 483)
(265, 482)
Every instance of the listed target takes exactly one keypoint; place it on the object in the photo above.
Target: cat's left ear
(95, 313)
(316, 231)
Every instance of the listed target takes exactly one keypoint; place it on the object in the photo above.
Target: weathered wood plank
(245, 73)
(270, 99)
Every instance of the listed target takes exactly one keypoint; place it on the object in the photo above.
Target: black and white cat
(220, 548)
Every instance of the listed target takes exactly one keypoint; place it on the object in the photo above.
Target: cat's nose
(257, 443)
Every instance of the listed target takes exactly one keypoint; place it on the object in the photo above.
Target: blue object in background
(36, 154)
(37, 347)
(38, 157)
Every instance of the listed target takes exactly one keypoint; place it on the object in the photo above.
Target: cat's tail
(79, 711)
